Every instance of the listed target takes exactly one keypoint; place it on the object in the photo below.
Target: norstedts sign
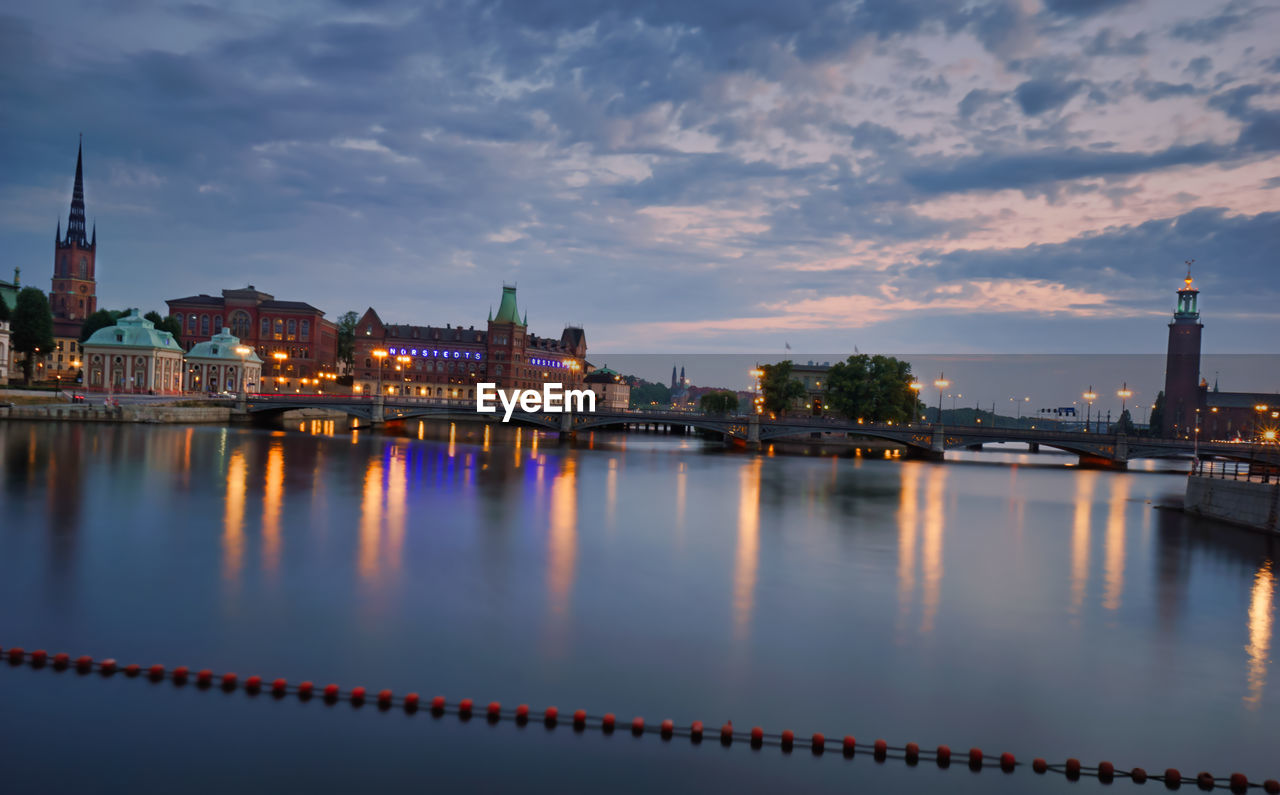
(553, 399)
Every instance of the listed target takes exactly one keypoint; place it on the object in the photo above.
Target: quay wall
(180, 415)
(1255, 505)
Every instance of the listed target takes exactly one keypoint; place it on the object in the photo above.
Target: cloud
(1109, 42)
(1041, 95)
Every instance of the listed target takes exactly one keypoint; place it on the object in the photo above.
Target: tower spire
(75, 219)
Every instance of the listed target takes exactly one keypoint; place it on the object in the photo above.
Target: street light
(380, 354)
(942, 383)
(915, 386)
(244, 351)
(1018, 418)
(1089, 396)
(1125, 393)
(279, 356)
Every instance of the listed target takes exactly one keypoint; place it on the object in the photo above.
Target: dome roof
(221, 346)
(133, 331)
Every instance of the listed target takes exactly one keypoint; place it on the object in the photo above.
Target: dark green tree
(347, 338)
(1155, 427)
(647, 393)
(32, 327)
(872, 388)
(721, 402)
(4, 310)
(1124, 424)
(98, 320)
(778, 387)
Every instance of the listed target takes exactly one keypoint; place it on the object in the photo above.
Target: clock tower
(74, 295)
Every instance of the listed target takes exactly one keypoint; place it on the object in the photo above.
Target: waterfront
(1002, 600)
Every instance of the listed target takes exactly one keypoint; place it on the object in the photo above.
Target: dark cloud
(1199, 66)
(1084, 8)
(1041, 95)
(1236, 16)
(1109, 42)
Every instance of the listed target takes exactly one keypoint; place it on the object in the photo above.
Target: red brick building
(296, 329)
(448, 361)
(73, 294)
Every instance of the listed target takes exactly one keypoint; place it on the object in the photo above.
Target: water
(1005, 600)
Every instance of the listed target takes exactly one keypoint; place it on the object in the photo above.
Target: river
(1001, 599)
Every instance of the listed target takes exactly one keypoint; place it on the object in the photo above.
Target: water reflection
(272, 504)
(1113, 564)
(908, 521)
(1260, 615)
(233, 518)
(931, 558)
(370, 519)
(611, 495)
(562, 538)
(682, 484)
(744, 571)
(1086, 482)
(397, 494)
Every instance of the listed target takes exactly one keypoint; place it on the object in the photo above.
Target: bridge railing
(1251, 472)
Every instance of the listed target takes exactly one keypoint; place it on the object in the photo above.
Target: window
(217, 323)
(265, 328)
(293, 329)
(204, 325)
(84, 268)
(279, 329)
(240, 324)
(191, 324)
(306, 330)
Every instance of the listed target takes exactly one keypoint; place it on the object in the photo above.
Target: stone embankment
(1250, 503)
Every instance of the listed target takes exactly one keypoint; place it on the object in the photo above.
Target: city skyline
(806, 176)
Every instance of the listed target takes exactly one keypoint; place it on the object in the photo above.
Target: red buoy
(15, 654)
(788, 739)
(494, 710)
(84, 663)
(107, 666)
(667, 728)
(1271, 786)
(579, 718)
(1172, 778)
(608, 722)
(818, 742)
(180, 673)
(975, 758)
(913, 753)
(850, 745)
(1138, 775)
(1039, 765)
(726, 733)
(39, 656)
(411, 702)
(1106, 772)
(61, 659)
(1239, 782)
(550, 715)
(881, 750)
(305, 689)
(1073, 768)
(253, 684)
(695, 731)
(437, 704)
(228, 681)
(357, 695)
(943, 755)
(156, 671)
(330, 692)
(204, 677)
(757, 736)
(1204, 780)
(279, 687)
(464, 707)
(1007, 762)
(522, 714)
(384, 698)
(637, 726)
(132, 670)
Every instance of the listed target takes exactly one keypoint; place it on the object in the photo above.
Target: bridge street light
(279, 356)
(915, 386)
(380, 354)
(942, 383)
(1125, 393)
(403, 367)
(244, 351)
(1089, 396)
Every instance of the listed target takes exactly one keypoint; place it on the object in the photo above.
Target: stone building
(449, 360)
(222, 364)
(132, 356)
(73, 294)
(613, 393)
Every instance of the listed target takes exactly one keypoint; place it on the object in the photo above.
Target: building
(222, 364)
(73, 294)
(5, 348)
(132, 356)
(814, 378)
(9, 296)
(293, 337)
(1189, 404)
(613, 393)
(448, 361)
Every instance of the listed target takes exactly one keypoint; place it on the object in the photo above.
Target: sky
(906, 176)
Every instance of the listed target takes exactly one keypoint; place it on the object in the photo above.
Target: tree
(647, 392)
(4, 310)
(1124, 424)
(873, 388)
(1155, 427)
(347, 338)
(32, 328)
(721, 402)
(778, 387)
(98, 320)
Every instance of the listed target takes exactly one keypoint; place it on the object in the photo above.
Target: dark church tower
(1182, 365)
(74, 294)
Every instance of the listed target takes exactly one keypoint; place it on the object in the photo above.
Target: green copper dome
(221, 346)
(133, 331)
(507, 311)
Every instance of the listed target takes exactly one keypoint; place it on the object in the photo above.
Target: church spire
(75, 219)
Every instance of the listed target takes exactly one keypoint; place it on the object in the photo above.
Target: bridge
(926, 441)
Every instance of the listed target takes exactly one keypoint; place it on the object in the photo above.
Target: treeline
(862, 387)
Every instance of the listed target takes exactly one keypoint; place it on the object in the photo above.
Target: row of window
(290, 329)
